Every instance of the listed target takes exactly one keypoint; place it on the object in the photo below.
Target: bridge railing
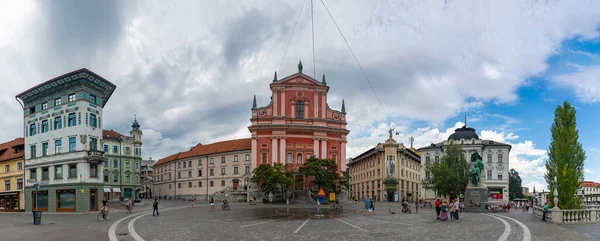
(569, 216)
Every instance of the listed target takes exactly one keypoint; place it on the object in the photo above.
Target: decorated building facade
(494, 155)
(297, 124)
(205, 170)
(63, 136)
(387, 172)
(12, 167)
(122, 167)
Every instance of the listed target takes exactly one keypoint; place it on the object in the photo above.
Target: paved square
(178, 221)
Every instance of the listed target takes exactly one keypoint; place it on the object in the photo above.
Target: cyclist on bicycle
(104, 207)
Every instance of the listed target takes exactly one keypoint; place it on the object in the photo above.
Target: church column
(282, 103)
(316, 105)
(316, 147)
(282, 150)
(324, 149)
(323, 106)
(343, 155)
(255, 158)
(274, 150)
(275, 102)
(293, 114)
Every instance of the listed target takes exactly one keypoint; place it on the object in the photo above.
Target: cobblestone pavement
(547, 231)
(178, 221)
(280, 222)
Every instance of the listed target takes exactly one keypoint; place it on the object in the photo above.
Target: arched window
(299, 158)
(299, 109)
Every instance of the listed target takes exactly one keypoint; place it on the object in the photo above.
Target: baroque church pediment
(299, 78)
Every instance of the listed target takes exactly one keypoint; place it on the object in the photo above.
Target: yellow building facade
(387, 172)
(12, 166)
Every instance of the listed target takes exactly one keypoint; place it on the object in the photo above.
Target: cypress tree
(565, 158)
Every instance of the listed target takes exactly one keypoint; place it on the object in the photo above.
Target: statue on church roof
(300, 66)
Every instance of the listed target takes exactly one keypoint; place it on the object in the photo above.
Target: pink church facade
(298, 124)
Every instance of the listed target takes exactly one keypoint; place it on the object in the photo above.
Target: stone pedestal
(479, 196)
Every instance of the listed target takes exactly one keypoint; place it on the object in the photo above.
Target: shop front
(10, 202)
(495, 195)
(64, 198)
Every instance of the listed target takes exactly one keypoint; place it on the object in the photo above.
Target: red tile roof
(110, 134)
(7, 152)
(217, 147)
(589, 184)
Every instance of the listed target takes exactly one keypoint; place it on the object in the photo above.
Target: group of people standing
(443, 208)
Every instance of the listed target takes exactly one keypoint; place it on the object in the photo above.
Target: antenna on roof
(465, 119)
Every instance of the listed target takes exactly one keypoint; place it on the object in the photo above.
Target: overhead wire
(356, 59)
(312, 21)
(292, 35)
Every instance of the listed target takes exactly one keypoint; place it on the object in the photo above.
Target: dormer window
(299, 109)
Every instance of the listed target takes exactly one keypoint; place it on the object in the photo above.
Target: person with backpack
(155, 207)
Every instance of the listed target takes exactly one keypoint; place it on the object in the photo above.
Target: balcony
(95, 157)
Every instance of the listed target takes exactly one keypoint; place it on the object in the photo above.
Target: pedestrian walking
(438, 209)
(544, 212)
(367, 207)
(212, 204)
(451, 210)
(193, 201)
(372, 207)
(417, 206)
(155, 207)
(456, 208)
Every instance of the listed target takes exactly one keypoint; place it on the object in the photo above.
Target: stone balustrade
(569, 216)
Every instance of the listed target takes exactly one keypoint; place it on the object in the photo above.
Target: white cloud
(588, 170)
(585, 82)
(190, 75)
(539, 187)
(497, 136)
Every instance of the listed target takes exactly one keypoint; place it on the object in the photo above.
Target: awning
(107, 189)
(116, 189)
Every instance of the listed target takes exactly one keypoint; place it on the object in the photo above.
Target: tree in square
(565, 158)
(450, 176)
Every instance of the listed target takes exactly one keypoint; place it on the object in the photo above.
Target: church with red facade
(297, 124)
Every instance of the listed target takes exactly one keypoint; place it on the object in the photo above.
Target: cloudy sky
(189, 69)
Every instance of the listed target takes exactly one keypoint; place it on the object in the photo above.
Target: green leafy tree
(450, 176)
(283, 177)
(324, 172)
(274, 178)
(345, 181)
(514, 185)
(565, 158)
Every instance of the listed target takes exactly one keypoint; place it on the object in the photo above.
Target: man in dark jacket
(155, 206)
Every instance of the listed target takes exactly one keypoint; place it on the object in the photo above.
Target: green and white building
(63, 136)
(122, 167)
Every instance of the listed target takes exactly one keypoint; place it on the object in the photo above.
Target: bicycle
(252, 202)
(225, 205)
(336, 207)
(406, 209)
(102, 216)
